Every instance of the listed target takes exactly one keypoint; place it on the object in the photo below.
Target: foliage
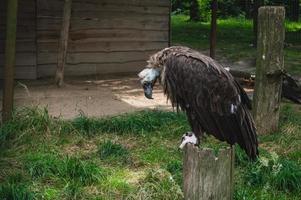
(281, 174)
(226, 8)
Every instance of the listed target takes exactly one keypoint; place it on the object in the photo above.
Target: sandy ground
(91, 96)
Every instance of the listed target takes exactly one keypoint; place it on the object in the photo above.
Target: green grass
(112, 151)
(47, 158)
(234, 39)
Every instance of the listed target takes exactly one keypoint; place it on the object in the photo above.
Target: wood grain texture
(105, 36)
(102, 33)
(207, 176)
(269, 67)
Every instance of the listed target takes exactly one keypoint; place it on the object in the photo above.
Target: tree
(194, 10)
(256, 6)
(295, 9)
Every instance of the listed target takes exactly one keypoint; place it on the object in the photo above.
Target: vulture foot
(188, 137)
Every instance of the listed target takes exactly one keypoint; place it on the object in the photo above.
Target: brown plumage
(213, 101)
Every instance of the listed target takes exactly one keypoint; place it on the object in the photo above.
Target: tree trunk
(63, 44)
(10, 59)
(248, 8)
(194, 10)
(256, 6)
(213, 33)
(295, 9)
(269, 68)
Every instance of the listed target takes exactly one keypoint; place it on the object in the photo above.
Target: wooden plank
(92, 69)
(207, 176)
(22, 47)
(23, 72)
(126, 22)
(164, 3)
(269, 68)
(85, 47)
(22, 58)
(78, 58)
(26, 33)
(81, 10)
(118, 34)
(106, 35)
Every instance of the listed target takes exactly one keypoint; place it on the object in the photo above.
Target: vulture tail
(291, 89)
(248, 131)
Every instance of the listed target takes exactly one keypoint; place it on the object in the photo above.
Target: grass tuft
(15, 191)
(158, 184)
(175, 167)
(136, 123)
(281, 174)
(69, 168)
(113, 151)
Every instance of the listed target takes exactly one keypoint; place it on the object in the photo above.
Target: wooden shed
(106, 36)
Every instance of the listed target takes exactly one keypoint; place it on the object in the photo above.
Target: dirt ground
(92, 96)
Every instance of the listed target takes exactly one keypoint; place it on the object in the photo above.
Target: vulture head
(148, 78)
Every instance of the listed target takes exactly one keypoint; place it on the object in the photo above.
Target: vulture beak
(148, 79)
(148, 90)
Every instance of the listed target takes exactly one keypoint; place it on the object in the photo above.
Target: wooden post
(10, 59)
(206, 176)
(63, 44)
(269, 68)
(213, 29)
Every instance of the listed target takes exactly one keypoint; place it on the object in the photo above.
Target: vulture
(212, 99)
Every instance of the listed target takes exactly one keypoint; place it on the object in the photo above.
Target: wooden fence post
(269, 68)
(206, 176)
(63, 44)
(10, 59)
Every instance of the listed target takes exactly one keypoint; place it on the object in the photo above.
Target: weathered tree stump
(207, 176)
(269, 68)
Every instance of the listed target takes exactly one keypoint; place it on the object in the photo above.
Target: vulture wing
(213, 101)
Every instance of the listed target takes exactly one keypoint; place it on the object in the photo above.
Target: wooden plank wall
(26, 67)
(106, 36)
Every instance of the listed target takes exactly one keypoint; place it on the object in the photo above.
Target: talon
(188, 137)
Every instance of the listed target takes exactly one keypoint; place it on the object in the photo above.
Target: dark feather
(213, 101)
